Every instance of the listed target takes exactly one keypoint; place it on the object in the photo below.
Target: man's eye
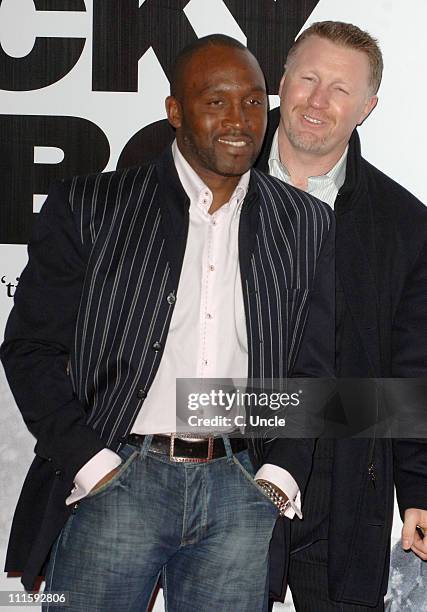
(215, 102)
(342, 90)
(255, 101)
(307, 78)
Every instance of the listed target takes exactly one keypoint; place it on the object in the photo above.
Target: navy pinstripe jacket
(93, 308)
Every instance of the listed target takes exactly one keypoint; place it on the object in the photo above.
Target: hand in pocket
(105, 479)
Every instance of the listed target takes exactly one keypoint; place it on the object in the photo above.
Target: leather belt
(184, 450)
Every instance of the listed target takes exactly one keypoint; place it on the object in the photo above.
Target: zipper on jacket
(371, 463)
(371, 472)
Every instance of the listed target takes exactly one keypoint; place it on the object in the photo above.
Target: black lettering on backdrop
(122, 33)
(59, 5)
(85, 147)
(50, 59)
(270, 27)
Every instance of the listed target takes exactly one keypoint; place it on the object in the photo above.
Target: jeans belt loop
(146, 446)
(227, 446)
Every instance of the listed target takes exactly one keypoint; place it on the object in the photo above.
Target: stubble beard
(305, 141)
(309, 143)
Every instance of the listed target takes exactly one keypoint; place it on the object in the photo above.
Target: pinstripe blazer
(93, 307)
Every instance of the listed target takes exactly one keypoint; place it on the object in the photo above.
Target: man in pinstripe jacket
(128, 274)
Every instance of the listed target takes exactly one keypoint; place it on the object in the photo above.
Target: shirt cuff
(92, 472)
(282, 479)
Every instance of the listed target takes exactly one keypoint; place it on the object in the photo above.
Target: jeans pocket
(118, 476)
(241, 465)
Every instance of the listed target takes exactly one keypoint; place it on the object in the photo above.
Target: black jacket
(381, 267)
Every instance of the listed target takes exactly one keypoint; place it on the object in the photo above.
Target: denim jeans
(205, 528)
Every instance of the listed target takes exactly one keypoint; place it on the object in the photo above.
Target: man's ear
(369, 107)
(173, 111)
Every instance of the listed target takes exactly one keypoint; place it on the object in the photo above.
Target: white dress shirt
(207, 334)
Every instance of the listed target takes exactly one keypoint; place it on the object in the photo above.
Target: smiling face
(220, 112)
(324, 94)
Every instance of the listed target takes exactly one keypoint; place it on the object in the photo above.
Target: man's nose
(235, 115)
(319, 97)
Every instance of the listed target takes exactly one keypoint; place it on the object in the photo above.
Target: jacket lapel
(248, 227)
(356, 256)
(174, 205)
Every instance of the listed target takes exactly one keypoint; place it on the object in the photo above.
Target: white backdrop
(393, 138)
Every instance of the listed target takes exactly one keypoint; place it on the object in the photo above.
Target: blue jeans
(205, 528)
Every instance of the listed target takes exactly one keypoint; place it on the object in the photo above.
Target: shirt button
(171, 298)
(58, 472)
(211, 268)
(209, 316)
(157, 346)
(142, 394)
(213, 222)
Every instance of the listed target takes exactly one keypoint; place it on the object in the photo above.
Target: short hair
(346, 35)
(185, 55)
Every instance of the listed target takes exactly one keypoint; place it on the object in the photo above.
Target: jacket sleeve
(409, 338)
(315, 359)
(39, 335)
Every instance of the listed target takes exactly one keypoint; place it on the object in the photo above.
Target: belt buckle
(178, 459)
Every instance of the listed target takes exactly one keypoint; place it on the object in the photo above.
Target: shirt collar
(200, 193)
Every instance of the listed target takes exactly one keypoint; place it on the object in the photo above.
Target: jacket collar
(174, 204)
(356, 254)
(174, 201)
(273, 122)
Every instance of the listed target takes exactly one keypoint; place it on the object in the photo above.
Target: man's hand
(105, 479)
(275, 494)
(279, 491)
(414, 525)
